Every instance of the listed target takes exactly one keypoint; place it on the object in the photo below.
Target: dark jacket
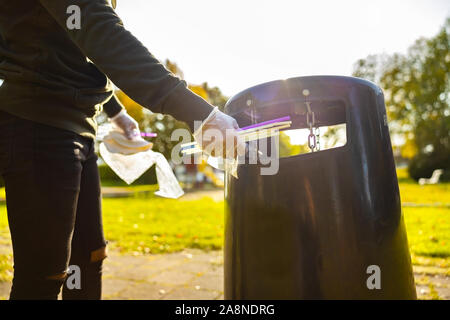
(49, 79)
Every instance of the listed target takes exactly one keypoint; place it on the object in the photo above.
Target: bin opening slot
(329, 125)
(295, 142)
(327, 113)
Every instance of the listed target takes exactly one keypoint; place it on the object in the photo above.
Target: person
(56, 76)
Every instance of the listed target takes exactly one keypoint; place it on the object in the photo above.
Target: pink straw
(149, 134)
(287, 118)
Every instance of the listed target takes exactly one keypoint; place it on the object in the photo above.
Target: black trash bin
(328, 220)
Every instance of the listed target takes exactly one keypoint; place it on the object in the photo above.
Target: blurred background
(222, 48)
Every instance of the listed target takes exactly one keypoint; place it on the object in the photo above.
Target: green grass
(411, 192)
(428, 227)
(5, 267)
(4, 233)
(149, 224)
(428, 231)
(146, 224)
(5, 258)
(155, 225)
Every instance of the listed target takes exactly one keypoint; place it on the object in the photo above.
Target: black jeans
(53, 201)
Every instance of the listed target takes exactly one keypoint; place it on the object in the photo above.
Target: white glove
(218, 136)
(125, 123)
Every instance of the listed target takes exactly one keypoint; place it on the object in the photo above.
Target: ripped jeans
(53, 202)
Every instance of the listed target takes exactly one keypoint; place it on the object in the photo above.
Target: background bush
(108, 177)
(423, 165)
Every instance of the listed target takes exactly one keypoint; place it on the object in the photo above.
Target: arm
(118, 54)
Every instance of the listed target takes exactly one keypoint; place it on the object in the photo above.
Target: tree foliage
(417, 92)
(164, 125)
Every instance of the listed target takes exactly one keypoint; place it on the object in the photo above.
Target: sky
(235, 44)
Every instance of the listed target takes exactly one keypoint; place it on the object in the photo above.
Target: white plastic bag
(227, 165)
(129, 160)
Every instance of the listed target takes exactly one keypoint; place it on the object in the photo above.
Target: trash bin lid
(326, 95)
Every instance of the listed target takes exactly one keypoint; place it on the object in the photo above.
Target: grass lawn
(151, 224)
(428, 231)
(428, 226)
(156, 225)
(143, 225)
(147, 224)
(411, 192)
(5, 255)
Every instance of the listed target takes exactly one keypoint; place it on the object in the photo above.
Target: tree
(287, 149)
(164, 125)
(174, 68)
(215, 96)
(417, 93)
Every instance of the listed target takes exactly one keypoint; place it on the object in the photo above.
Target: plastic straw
(191, 151)
(257, 135)
(250, 133)
(271, 126)
(149, 134)
(286, 118)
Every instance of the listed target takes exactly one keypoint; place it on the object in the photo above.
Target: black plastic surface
(312, 230)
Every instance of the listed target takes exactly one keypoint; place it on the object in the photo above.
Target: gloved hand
(124, 122)
(218, 136)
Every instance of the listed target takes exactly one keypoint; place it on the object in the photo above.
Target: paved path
(195, 274)
(191, 274)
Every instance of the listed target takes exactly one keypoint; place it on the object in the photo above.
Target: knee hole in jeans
(99, 254)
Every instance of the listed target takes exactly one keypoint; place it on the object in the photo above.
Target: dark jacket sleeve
(117, 53)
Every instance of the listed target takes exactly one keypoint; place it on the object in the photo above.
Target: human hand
(125, 123)
(218, 136)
